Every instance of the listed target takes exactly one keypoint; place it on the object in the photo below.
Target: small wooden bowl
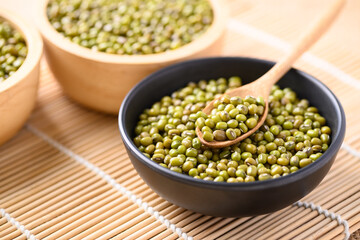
(100, 80)
(18, 92)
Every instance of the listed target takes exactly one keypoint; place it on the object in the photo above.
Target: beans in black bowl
(293, 136)
(228, 199)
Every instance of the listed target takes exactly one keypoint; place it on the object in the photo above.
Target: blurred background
(289, 16)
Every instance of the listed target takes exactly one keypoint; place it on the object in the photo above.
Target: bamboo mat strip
(282, 216)
(327, 214)
(351, 150)
(242, 28)
(340, 89)
(268, 39)
(355, 235)
(150, 210)
(53, 194)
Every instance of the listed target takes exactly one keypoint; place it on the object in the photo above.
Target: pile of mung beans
(293, 136)
(13, 50)
(130, 26)
(230, 117)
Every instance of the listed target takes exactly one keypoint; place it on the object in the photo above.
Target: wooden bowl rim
(33, 42)
(214, 32)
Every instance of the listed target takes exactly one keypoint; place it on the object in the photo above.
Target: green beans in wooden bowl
(99, 49)
(20, 54)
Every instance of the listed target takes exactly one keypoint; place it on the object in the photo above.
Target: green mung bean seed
(130, 27)
(13, 50)
(292, 137)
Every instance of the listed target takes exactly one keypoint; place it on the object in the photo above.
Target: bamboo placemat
(66, 174)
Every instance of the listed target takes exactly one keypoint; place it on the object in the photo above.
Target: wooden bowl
(100, 80)
(18, 92)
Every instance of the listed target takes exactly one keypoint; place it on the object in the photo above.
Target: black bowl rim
(248, 186)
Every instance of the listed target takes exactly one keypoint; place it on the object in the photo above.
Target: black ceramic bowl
(219, 198)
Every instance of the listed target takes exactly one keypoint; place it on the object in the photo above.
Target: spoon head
(222, 144)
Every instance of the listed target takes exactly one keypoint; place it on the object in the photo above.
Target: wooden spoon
(262, 86)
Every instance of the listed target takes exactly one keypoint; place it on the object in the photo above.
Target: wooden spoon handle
(305, 41)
